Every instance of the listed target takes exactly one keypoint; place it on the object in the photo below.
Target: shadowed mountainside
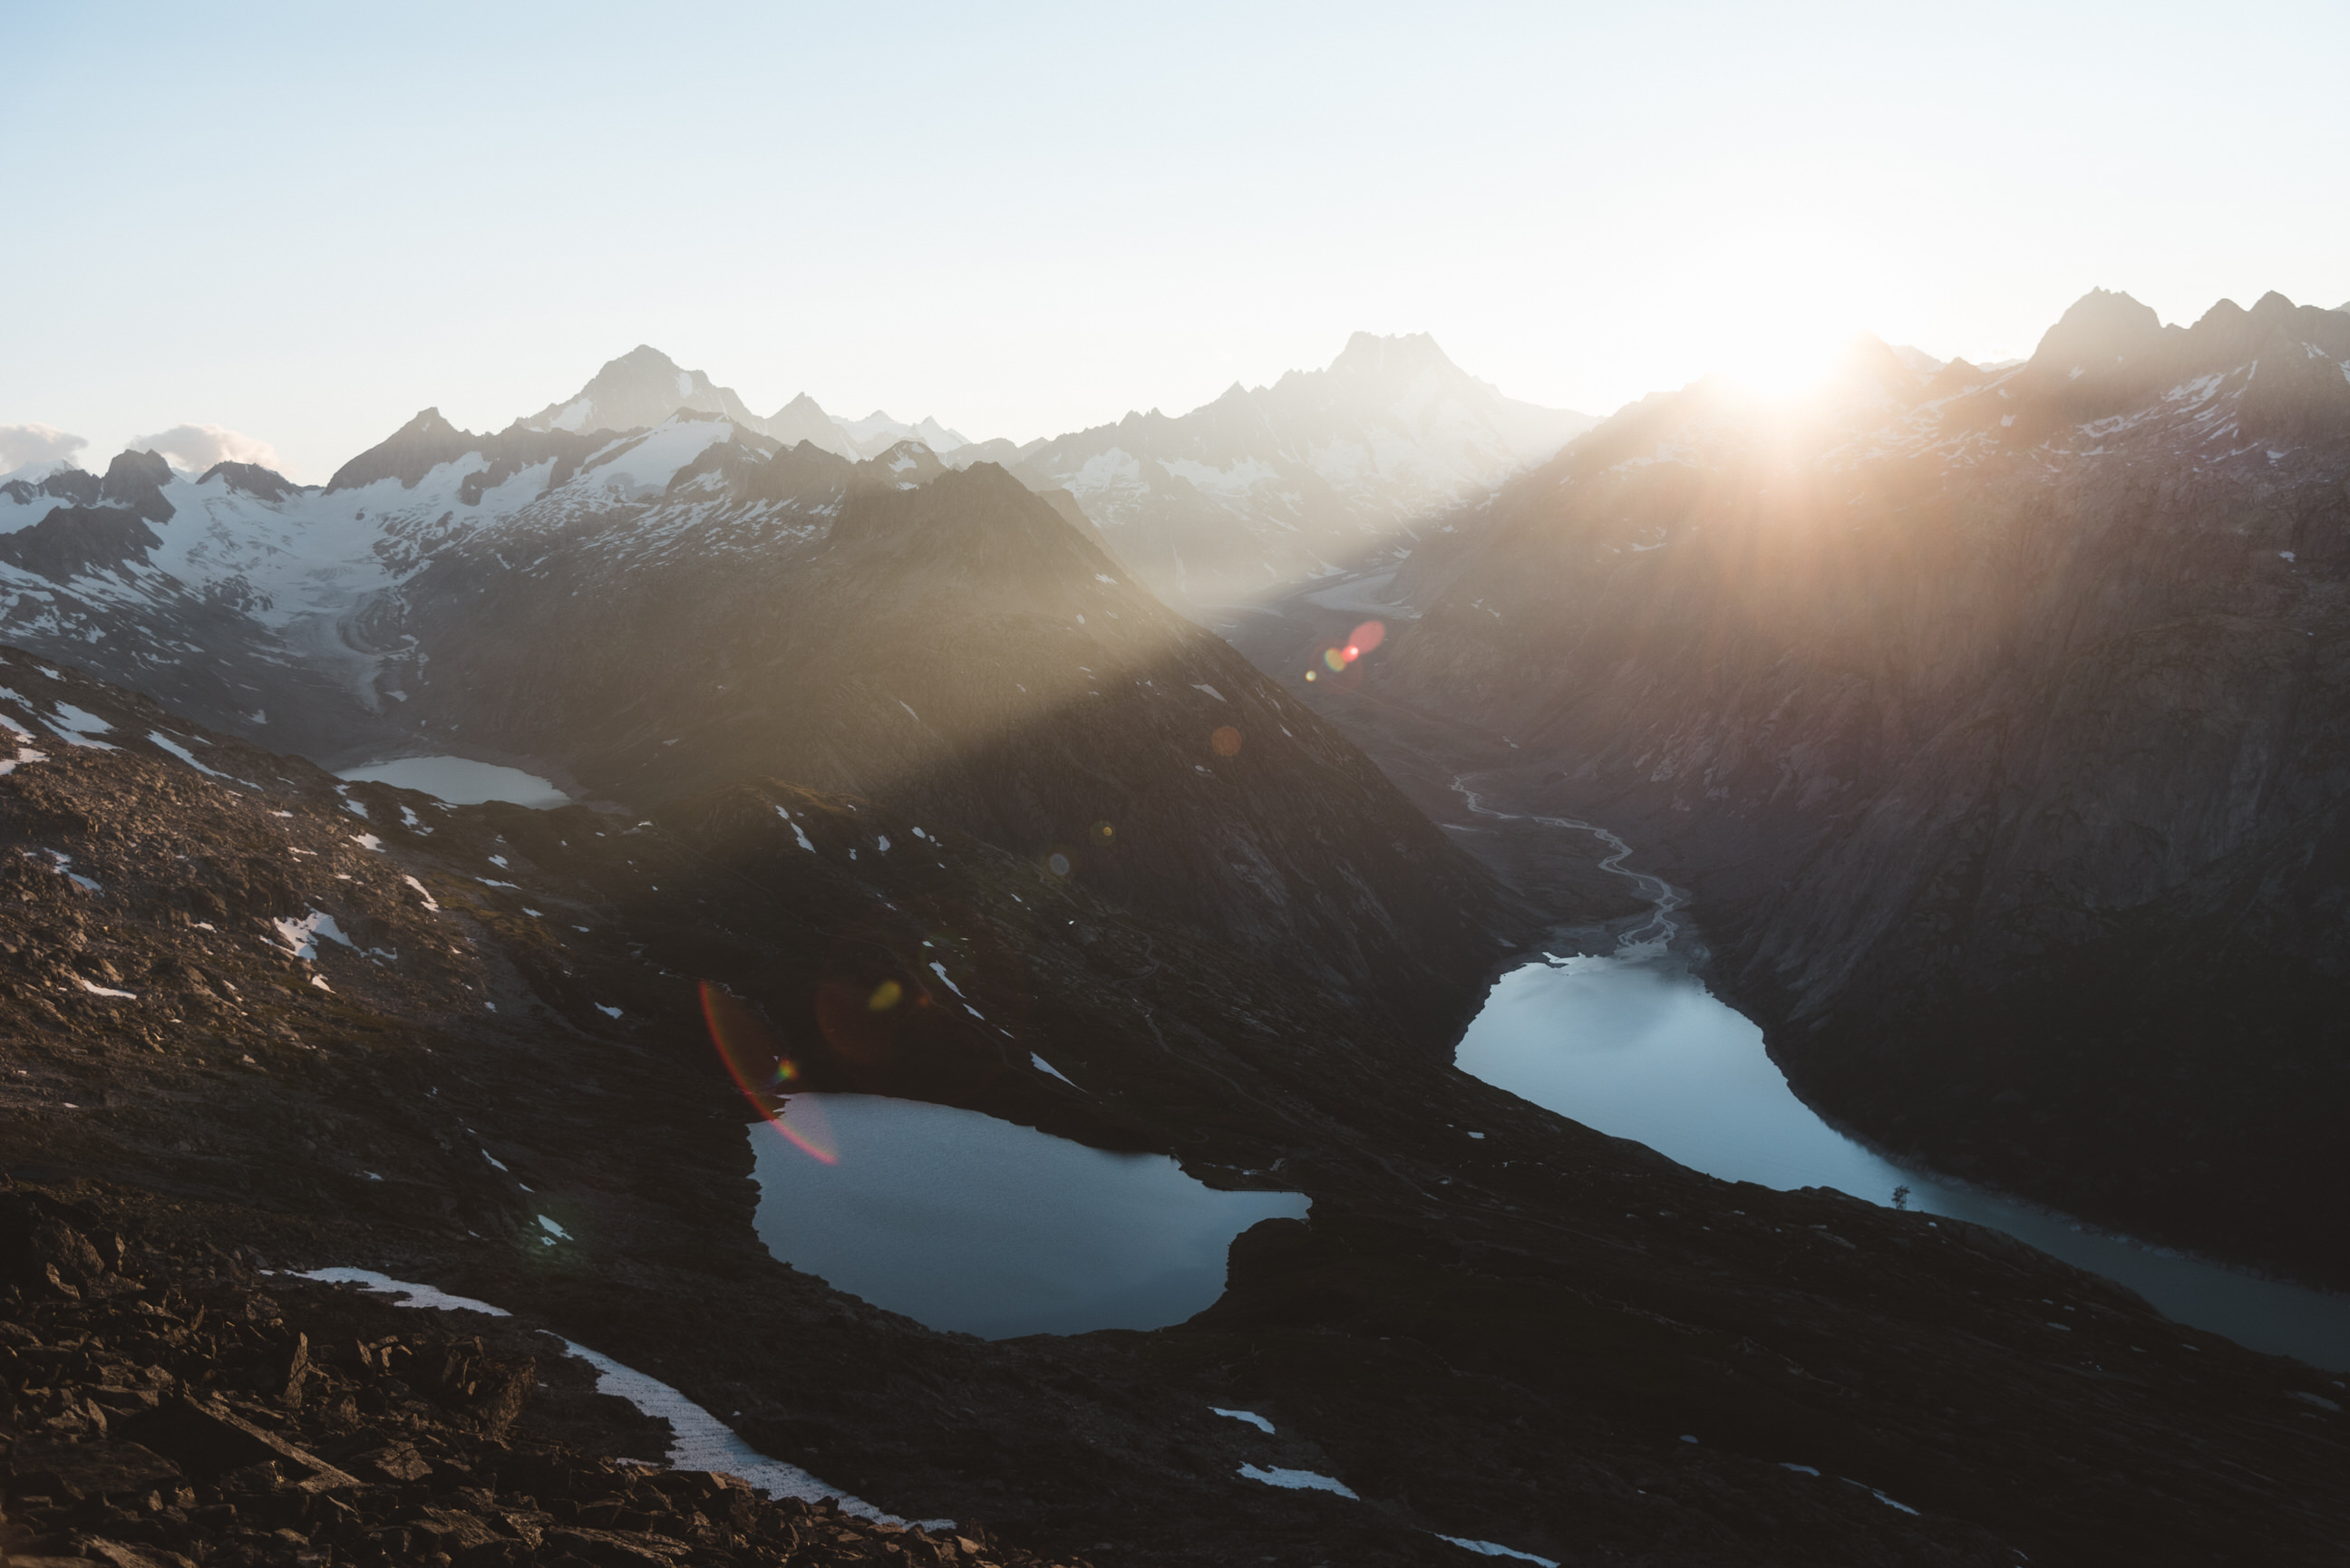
(654, 613)
(2001, 723)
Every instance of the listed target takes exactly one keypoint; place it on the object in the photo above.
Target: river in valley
(1633, 1045)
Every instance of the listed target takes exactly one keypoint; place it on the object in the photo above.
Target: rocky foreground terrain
(257, 1019)
(171, 1404)
(2001, 724)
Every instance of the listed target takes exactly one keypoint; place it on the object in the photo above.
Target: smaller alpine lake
(965, 1223)
(460, 781)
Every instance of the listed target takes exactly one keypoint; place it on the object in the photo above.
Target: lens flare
(1059, 864)
(1366, 637)
(1103, 833)
(1335, 658)
(1225, 741)
(807, 1131)
(757, 1064)
(885, 996)
(1310, 674)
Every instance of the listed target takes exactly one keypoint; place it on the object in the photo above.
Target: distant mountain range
(643, 386)
(1256, 492)
(1271, 487)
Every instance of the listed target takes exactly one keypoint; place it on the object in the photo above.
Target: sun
(1787, 361)
(1788, 313)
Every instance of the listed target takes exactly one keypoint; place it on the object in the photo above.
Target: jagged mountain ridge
(1262, 488)
(1254, 492)
(644, 387)
(1998, 720)
(644, 614)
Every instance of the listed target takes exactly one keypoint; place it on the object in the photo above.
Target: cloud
(21, 444)
(198, 447)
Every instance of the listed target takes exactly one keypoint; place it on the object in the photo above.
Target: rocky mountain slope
(258, 1017)
(2000, 721)
(173, 1405)
(650, 614)
(1266, 487)
(964, 653)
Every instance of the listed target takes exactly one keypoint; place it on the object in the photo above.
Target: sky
(288, 228)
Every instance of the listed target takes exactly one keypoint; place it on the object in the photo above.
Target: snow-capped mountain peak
(1406, 354)
(642, 387)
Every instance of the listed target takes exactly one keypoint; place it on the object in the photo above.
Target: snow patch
(301, 937)
(23, 754)
(1251, 1417)
(77, 724)
(184, 755)
(1298, 1480)
(410, 1295)
(1488, 1549)
(698, 1440)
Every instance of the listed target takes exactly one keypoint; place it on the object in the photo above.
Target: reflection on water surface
(1634, 1045)
(460, 781)
(963, 1221)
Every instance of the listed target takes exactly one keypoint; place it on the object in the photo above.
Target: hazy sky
(305, 223)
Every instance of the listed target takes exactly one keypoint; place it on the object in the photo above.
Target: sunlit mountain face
(1270, 487)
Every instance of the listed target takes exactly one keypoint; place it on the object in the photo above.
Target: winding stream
(1632, 1044)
